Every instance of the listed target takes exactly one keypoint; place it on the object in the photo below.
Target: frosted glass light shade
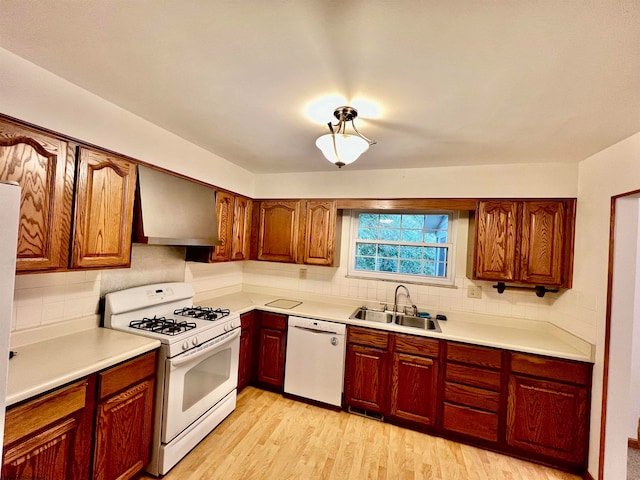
(340, 148)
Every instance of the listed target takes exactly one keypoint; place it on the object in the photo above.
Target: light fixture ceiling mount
(339, 147)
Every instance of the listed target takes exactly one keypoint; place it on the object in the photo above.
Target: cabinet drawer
(471, 422)
(273, 320)
(425, 347)
(368, 337)
(552, 368)
(472, 396)
(46, 410)
(473, 376)
(126, 374)
(474, 355)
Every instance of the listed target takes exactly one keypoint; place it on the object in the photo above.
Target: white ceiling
(457, 82)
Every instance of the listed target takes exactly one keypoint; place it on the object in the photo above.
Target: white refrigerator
(9, 217)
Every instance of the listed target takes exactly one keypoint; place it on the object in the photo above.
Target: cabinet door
(224, 212)
(43, 166)
(543, 240)
(413, 388)
(271, 359)
(278, 231)
(241, 241)
(495, 251)
(123, 433)
(548, 418)
(105, 189)
(246, 347)
(319, 232)
(50, 437)
(366, 378)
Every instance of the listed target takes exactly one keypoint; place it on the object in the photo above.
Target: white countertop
(530, 336)
(40, 367)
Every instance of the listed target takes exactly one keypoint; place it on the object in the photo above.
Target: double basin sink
(362, 313)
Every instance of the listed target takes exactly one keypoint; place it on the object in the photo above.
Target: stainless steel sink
(418, 322)
(362, 313)
(372, 315)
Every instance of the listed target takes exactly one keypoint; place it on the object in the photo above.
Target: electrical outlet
(474, 291)
(302, 274)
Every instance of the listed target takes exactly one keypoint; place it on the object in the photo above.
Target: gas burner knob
(194, 342)
(185, 345)
(226, 328)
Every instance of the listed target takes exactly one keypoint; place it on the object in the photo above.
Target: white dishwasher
(314, 366)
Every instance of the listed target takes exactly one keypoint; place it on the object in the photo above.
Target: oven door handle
(205, 349)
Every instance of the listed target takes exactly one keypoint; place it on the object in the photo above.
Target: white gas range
(197, 368)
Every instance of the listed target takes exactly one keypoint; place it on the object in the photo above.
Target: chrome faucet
(395, 301)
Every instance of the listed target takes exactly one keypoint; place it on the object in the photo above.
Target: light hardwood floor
(272, 437)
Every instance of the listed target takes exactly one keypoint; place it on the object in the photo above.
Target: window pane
(365, 263)
(368, 233)
(387, 265)
(389, 220)
(411, 252)
(435, 254)
(366, 249)
(387, 250)
(368, 220)
(387, 234)
(410, 267)
(429, 237)
(435, 269)
(413, 221)
(412, 235)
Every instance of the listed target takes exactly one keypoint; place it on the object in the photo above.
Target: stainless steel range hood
(171, 210)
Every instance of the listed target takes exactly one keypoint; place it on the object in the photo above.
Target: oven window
(205, 377)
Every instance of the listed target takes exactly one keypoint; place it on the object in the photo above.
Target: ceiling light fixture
(339, 147)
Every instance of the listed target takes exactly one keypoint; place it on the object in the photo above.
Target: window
(402, 246)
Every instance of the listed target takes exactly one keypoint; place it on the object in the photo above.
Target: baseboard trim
(587, 476)
(633, 443)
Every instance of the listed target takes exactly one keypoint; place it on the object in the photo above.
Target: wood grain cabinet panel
(124, 419)
(271, 350)
(413, 388)
(247, 321)
(319, 232)
(43, 165)
(105, 190)
(50, 437)
(241, 231)
(471, 422)
(495, 251)
(366, 378)
(548, 418)
(224, 213)
(278, 230)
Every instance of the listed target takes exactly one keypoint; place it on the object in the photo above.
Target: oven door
(196, 380)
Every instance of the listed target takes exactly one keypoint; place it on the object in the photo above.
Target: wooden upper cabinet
(543, 242)
(241, 232)
(278, 230)
(224, 212)
(496, 240)
(105, 189)
(43, 166)
(527, 241)
(319, 232)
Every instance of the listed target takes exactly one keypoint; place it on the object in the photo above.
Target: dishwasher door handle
(314, 330)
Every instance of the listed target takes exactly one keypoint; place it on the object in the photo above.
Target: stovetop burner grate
(203, 313)
(162, 325)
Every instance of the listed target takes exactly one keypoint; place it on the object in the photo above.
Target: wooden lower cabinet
(246, 349)
(413, 388)
(50, 437)
(366, 378)
(272, 342)
(125, 419)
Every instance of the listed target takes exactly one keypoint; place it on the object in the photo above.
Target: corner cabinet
(529, 241)
(45, 167)
(234, 229)
(105, 189)
(297, 231)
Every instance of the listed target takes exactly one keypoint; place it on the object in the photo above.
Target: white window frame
(448, 280)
